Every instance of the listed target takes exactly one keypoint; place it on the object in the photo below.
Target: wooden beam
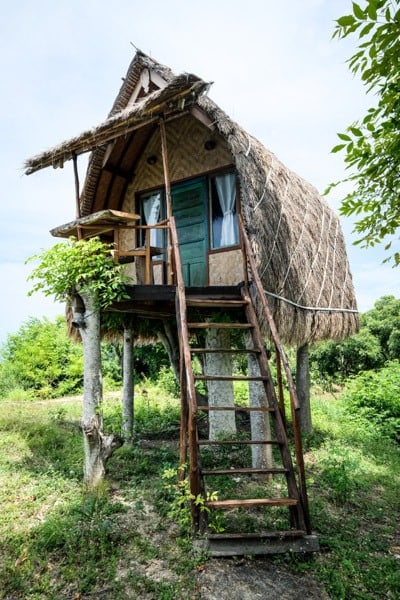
(117, 171)
(201, 116)
(77, 194)
(167, 183)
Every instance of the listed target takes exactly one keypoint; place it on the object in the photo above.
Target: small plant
(180, 499)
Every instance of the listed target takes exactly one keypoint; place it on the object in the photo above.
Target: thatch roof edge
(119, 123)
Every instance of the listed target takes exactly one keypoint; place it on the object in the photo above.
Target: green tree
(383, 321)
(377, 342)
(83, 273)
(338, 360)
(372, 144)
(40, 358)
(375, 395)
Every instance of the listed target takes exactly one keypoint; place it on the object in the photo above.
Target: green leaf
(355, 131)
(344, 137)
(338, 148)
(346, 21)
(365, 30)
(372, 11)
(358, 12)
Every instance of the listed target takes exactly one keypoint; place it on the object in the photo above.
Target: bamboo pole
(187, 376)
(77, 194)
(167, 183)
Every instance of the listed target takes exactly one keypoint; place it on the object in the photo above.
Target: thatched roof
(296, 237)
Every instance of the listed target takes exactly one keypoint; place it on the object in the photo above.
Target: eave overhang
(181, 92)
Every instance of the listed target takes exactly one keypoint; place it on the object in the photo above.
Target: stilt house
(216, 234)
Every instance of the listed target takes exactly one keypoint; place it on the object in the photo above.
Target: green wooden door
(189, 207)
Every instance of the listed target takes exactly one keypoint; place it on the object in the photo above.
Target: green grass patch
(132, 539)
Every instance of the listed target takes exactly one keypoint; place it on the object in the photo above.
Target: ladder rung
(213, 325)
(248, 471)
(262, 535)
(230, 378)
(208, 303)
(239, 408)
(249, 502)
(225, 350)
(237, 442)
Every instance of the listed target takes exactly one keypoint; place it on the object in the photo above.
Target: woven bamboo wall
(226, 268)
(187, 156)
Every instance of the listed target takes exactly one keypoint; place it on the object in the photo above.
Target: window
(224, 226)
(151, 212)
(222, 217)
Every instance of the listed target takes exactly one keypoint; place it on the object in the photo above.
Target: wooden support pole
(77, 193)
(167, 183)
(148, 265)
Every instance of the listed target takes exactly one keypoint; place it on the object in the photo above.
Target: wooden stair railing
(244, 318)
(189, 433)
(294, 402)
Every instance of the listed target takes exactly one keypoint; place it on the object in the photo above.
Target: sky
(275, 70)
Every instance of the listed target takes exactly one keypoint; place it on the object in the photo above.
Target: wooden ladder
(196, 314)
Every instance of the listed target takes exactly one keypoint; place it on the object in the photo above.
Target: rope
(267, 176)
(334, 261)
(276, 232)
(313, 308)
(326, 264)
(315, 256)
(295, 250)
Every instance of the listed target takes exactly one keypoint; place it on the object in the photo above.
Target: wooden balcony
(109, 225)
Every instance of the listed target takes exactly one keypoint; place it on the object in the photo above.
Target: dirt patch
(154, 555)
(254, 580)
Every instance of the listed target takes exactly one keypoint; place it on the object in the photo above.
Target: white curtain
(151, 209)
(226, 189)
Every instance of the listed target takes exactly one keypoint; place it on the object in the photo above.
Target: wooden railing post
(294, 402)
(188, 391)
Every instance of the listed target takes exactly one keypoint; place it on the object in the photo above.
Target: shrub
(376, 395)
(41, 359)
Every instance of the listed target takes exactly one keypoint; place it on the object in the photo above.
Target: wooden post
(77, 200)
(148, 265)
(187, 373)
(167, 182)
(128, 385)
(303, 388)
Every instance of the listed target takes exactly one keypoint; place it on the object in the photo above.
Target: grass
(130, 540)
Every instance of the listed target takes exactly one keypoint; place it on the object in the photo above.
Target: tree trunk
(128, 385)
(303, 388)
(220, 393)
(261, 456)
(97, 446)
(169, 340)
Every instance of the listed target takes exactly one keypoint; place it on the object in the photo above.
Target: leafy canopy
(372, 145)
(377, 342)
(40, 359)
(78, 266)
